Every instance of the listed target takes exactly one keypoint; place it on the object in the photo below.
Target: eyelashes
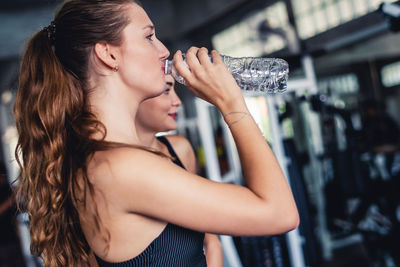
(150, 37)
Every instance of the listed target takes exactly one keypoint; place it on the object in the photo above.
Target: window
(342, 84)
(391, 74)
(246, 39)
(342, 90)
(327, 14)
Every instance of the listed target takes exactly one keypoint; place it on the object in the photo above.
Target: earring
(115, 69)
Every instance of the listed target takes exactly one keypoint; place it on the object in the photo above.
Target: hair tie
(51, 31)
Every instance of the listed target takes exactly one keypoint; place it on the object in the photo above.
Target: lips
(173, 115)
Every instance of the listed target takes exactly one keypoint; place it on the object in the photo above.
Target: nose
(164, 52)
(176, 101)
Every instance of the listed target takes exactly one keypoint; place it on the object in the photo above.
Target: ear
(104, 53)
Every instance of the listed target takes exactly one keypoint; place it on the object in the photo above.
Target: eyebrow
(150, 26)
(170, 83)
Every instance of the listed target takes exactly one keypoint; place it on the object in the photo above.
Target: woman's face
(159, 114)
(142, 55)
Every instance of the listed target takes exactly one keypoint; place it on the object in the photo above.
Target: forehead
(138, 17)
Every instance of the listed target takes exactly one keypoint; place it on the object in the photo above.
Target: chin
(170, 128)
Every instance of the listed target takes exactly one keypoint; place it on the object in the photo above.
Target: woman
(86, 181)
(159, 114)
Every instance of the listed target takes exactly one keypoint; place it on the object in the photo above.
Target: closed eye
(150, 36)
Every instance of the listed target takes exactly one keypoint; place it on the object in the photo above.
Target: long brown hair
(55, 125)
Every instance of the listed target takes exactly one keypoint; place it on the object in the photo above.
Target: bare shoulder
(180, 144)
(112, 167)
(120, 157)
(126, 155)
(184, 150)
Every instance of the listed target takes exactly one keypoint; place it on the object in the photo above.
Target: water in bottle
(251, 73)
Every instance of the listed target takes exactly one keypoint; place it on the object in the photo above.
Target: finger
(203, 56)
(192, 50)
(216, 57)
(178, 60)
(191, 57)
(180, 66)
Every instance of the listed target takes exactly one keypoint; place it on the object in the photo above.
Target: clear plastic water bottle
(251, 73)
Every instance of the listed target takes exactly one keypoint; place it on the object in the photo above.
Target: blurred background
(335, 131)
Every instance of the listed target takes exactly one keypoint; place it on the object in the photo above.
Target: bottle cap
(168, 66)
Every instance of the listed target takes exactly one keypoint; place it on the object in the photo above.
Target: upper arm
(147, 184)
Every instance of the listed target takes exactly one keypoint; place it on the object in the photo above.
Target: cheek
(142, 70)
(135, 65)
(144, 78)
(162, 110)
(167, 106)
(156, 110)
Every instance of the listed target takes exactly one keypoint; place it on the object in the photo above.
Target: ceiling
(173, 18)
(182, 23)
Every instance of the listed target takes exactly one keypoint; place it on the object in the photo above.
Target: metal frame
(293, 237)
(213, 172)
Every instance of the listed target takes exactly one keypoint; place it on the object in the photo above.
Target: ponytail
(47, 97)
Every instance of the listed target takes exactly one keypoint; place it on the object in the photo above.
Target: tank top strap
(171, 151)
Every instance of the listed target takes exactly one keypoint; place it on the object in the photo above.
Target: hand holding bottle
(210, 80)
(258, 74)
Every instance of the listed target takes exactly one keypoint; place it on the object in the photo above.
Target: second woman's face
(142, 55)
(159, 114)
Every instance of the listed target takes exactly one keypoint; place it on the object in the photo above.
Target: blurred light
(391, 74)
(6, 97)
(339, 103)
(10, 135)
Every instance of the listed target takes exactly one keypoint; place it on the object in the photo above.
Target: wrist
(235, 104)
(234, 117)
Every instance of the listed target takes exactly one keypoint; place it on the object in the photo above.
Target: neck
(116, 108)
(147, 137)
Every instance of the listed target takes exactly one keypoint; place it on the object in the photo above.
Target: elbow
(290, 217)
(293, 222)
(280, 224)
(287, 224)
(275, 223)
(288, 221)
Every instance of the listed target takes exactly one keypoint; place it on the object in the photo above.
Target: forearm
(262, 173)
(213, 251)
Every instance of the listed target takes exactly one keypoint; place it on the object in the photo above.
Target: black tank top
(175, 246)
